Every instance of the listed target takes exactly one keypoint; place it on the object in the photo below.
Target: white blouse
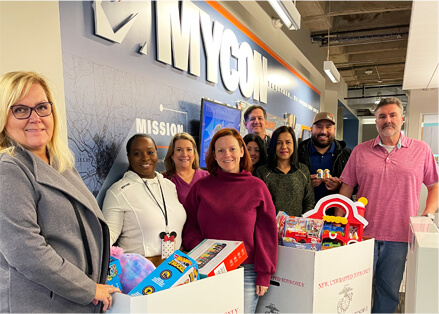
(134, 218)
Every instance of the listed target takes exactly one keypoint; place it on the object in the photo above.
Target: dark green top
(291, 192)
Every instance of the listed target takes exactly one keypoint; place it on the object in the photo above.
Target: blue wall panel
(111, 89)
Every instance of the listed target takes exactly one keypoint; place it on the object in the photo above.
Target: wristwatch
(429, 215)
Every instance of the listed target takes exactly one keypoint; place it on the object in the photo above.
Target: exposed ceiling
(377, 46)
(367, 41)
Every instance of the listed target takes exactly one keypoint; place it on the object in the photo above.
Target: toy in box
(343, 230)
(306, 246)
(113, 273)
(177, 269)
(127, 270)
(218, 256)
(280, 219)
(303, 231)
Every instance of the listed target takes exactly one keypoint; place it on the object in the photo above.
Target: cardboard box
(218, 256)
(422, 267)
(338, 280)
(177, 269)
(218, 294)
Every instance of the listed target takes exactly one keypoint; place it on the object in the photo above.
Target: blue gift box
(177, 269)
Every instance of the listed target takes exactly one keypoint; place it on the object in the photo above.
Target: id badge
(167, 248)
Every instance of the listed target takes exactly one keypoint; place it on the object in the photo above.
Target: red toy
(301, 230)
(339, 231)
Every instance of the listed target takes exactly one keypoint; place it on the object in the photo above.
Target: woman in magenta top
(182, 164)
(231, 204)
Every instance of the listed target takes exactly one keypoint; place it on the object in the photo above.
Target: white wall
(420, 102)
(333, 94)
(31, 41)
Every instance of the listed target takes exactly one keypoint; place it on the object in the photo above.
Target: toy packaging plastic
(176, 270)
(303, 233)
(113, 273)
(280, 219)
(323, 174)
(127, 270)
(218, 256)
(305, 246)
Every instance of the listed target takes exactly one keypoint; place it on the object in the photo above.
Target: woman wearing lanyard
(142, 209)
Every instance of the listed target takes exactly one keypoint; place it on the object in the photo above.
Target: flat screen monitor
(214, 117)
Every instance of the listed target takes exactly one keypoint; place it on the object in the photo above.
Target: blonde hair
(13, 87)
(169, 163)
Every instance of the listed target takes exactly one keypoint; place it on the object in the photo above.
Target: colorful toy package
(177, 269)
(218, 256)
(280, 219)
(127, 270)
(113, 273)
(343, 230)
(302, 233)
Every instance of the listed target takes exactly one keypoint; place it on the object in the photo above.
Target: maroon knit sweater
(234, 206)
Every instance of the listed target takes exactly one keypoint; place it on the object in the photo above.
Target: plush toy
(134, 268)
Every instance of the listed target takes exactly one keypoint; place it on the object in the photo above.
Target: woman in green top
(288, 181)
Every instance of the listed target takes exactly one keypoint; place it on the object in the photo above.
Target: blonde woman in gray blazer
(54, 242)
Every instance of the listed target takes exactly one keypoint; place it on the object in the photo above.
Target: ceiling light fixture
(287, 12)
(331, 71)
(378, 99)
(277, 23)
(379, 77)
(329, 66)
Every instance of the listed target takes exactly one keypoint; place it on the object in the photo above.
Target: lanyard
(163, 210)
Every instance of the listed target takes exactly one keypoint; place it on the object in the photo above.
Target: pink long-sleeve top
(234, 206)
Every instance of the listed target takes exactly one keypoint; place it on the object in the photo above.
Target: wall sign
(143, 66)
(181, 31)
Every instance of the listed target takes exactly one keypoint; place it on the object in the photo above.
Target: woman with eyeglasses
(288, 181)
(142, 209)
(54, 242)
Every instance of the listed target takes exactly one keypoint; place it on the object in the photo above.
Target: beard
(315, 141)
(388, 130)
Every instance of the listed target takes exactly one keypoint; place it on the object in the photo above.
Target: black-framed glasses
(22, 112)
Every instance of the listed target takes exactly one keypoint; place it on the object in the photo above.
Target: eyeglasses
(22, 112)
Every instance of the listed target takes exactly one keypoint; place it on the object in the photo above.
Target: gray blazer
(43, 264)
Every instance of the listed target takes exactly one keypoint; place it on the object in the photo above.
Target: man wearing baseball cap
(323, 151)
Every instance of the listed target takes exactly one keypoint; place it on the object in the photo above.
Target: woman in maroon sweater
(231, 204)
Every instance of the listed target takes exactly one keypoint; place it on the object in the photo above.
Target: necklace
(168, 245)
(162, 209)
